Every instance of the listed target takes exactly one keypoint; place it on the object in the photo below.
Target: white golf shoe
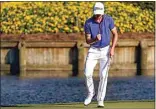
(100, 104)
(88, 100)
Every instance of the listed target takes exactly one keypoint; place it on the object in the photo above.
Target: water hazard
(65, 90)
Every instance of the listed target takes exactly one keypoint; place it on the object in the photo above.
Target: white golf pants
(95, 54)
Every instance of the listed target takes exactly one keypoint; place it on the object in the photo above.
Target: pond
(15, 90)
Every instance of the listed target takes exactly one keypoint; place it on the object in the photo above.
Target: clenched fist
(98, 37)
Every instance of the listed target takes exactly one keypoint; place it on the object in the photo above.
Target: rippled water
(64, 90)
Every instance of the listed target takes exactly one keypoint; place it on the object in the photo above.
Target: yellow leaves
(27, 18)
(49, 14)
(38, 30)
(66, 28)
(32, 17)
(56, 30)
(81, 29)
(76, 29)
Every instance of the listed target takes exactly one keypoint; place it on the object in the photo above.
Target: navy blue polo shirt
(104, 28)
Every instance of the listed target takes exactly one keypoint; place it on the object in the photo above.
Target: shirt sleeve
(87, 28)
(111, 25)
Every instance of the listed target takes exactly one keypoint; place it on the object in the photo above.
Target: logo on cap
(98, 8)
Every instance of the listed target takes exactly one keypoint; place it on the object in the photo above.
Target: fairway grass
(108, 105)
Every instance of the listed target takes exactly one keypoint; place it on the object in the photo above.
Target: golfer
(97, 34)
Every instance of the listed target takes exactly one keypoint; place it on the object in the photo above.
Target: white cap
(98, 8)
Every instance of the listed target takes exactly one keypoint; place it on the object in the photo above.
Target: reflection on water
(62, 90)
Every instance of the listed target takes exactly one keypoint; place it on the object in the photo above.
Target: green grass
(108, 105)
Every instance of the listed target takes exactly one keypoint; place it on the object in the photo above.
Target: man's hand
(114, 41)
(111, 52)
(89, 40)
(98, 37)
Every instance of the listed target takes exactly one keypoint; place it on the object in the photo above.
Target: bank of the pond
(108, 105)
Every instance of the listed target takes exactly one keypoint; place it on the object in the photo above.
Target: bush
(150, 5)
(131, 19)
(69, 17)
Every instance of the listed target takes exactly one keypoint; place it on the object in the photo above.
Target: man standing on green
(97, 34)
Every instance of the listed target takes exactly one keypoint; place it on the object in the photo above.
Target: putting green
(108, 105)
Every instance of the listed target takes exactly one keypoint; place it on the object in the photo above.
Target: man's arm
(89, 40)
(114, 41)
